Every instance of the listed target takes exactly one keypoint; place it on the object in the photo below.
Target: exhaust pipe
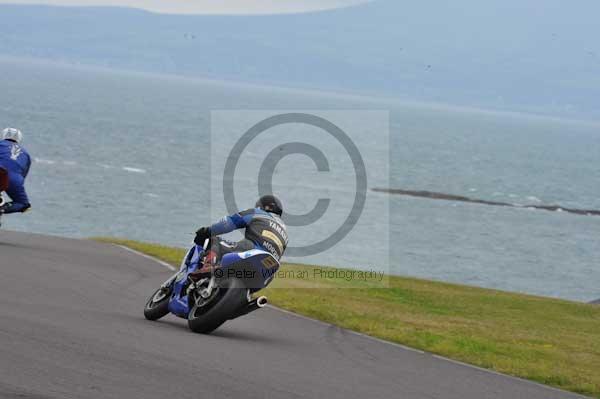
(253, 305)
(261, 301)
(256, 304)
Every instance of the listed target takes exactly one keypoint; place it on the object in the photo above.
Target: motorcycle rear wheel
(232, 296)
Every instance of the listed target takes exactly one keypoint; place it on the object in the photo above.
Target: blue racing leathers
(16, 161)
(264, 229)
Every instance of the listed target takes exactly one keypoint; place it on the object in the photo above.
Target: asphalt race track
(71, 326)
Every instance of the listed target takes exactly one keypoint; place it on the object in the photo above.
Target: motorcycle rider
(15, 160)
(264, 230)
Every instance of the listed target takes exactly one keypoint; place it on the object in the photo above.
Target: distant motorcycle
(222, 293)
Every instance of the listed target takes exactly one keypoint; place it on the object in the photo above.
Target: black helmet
(270, 203)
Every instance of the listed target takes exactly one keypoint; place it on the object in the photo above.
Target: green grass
(551, 341)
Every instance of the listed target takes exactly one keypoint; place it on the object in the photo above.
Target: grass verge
(551, 341)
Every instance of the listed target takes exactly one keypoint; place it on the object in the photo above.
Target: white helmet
(12, 134)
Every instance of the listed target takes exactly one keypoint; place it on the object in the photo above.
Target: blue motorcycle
(209, 295)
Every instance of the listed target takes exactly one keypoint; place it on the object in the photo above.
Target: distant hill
(538, 56)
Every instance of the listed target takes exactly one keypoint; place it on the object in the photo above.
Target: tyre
(232, 295)
(157, 305)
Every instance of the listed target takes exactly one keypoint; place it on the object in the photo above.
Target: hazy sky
(205, 6)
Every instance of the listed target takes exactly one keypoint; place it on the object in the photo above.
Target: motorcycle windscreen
(3, 180)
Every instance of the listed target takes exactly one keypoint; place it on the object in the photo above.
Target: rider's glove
(202, 235)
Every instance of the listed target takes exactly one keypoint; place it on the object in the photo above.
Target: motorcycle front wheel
(157, 305)
(231, 296)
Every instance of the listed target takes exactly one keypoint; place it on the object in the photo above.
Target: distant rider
(15, 160)
(264, 230)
